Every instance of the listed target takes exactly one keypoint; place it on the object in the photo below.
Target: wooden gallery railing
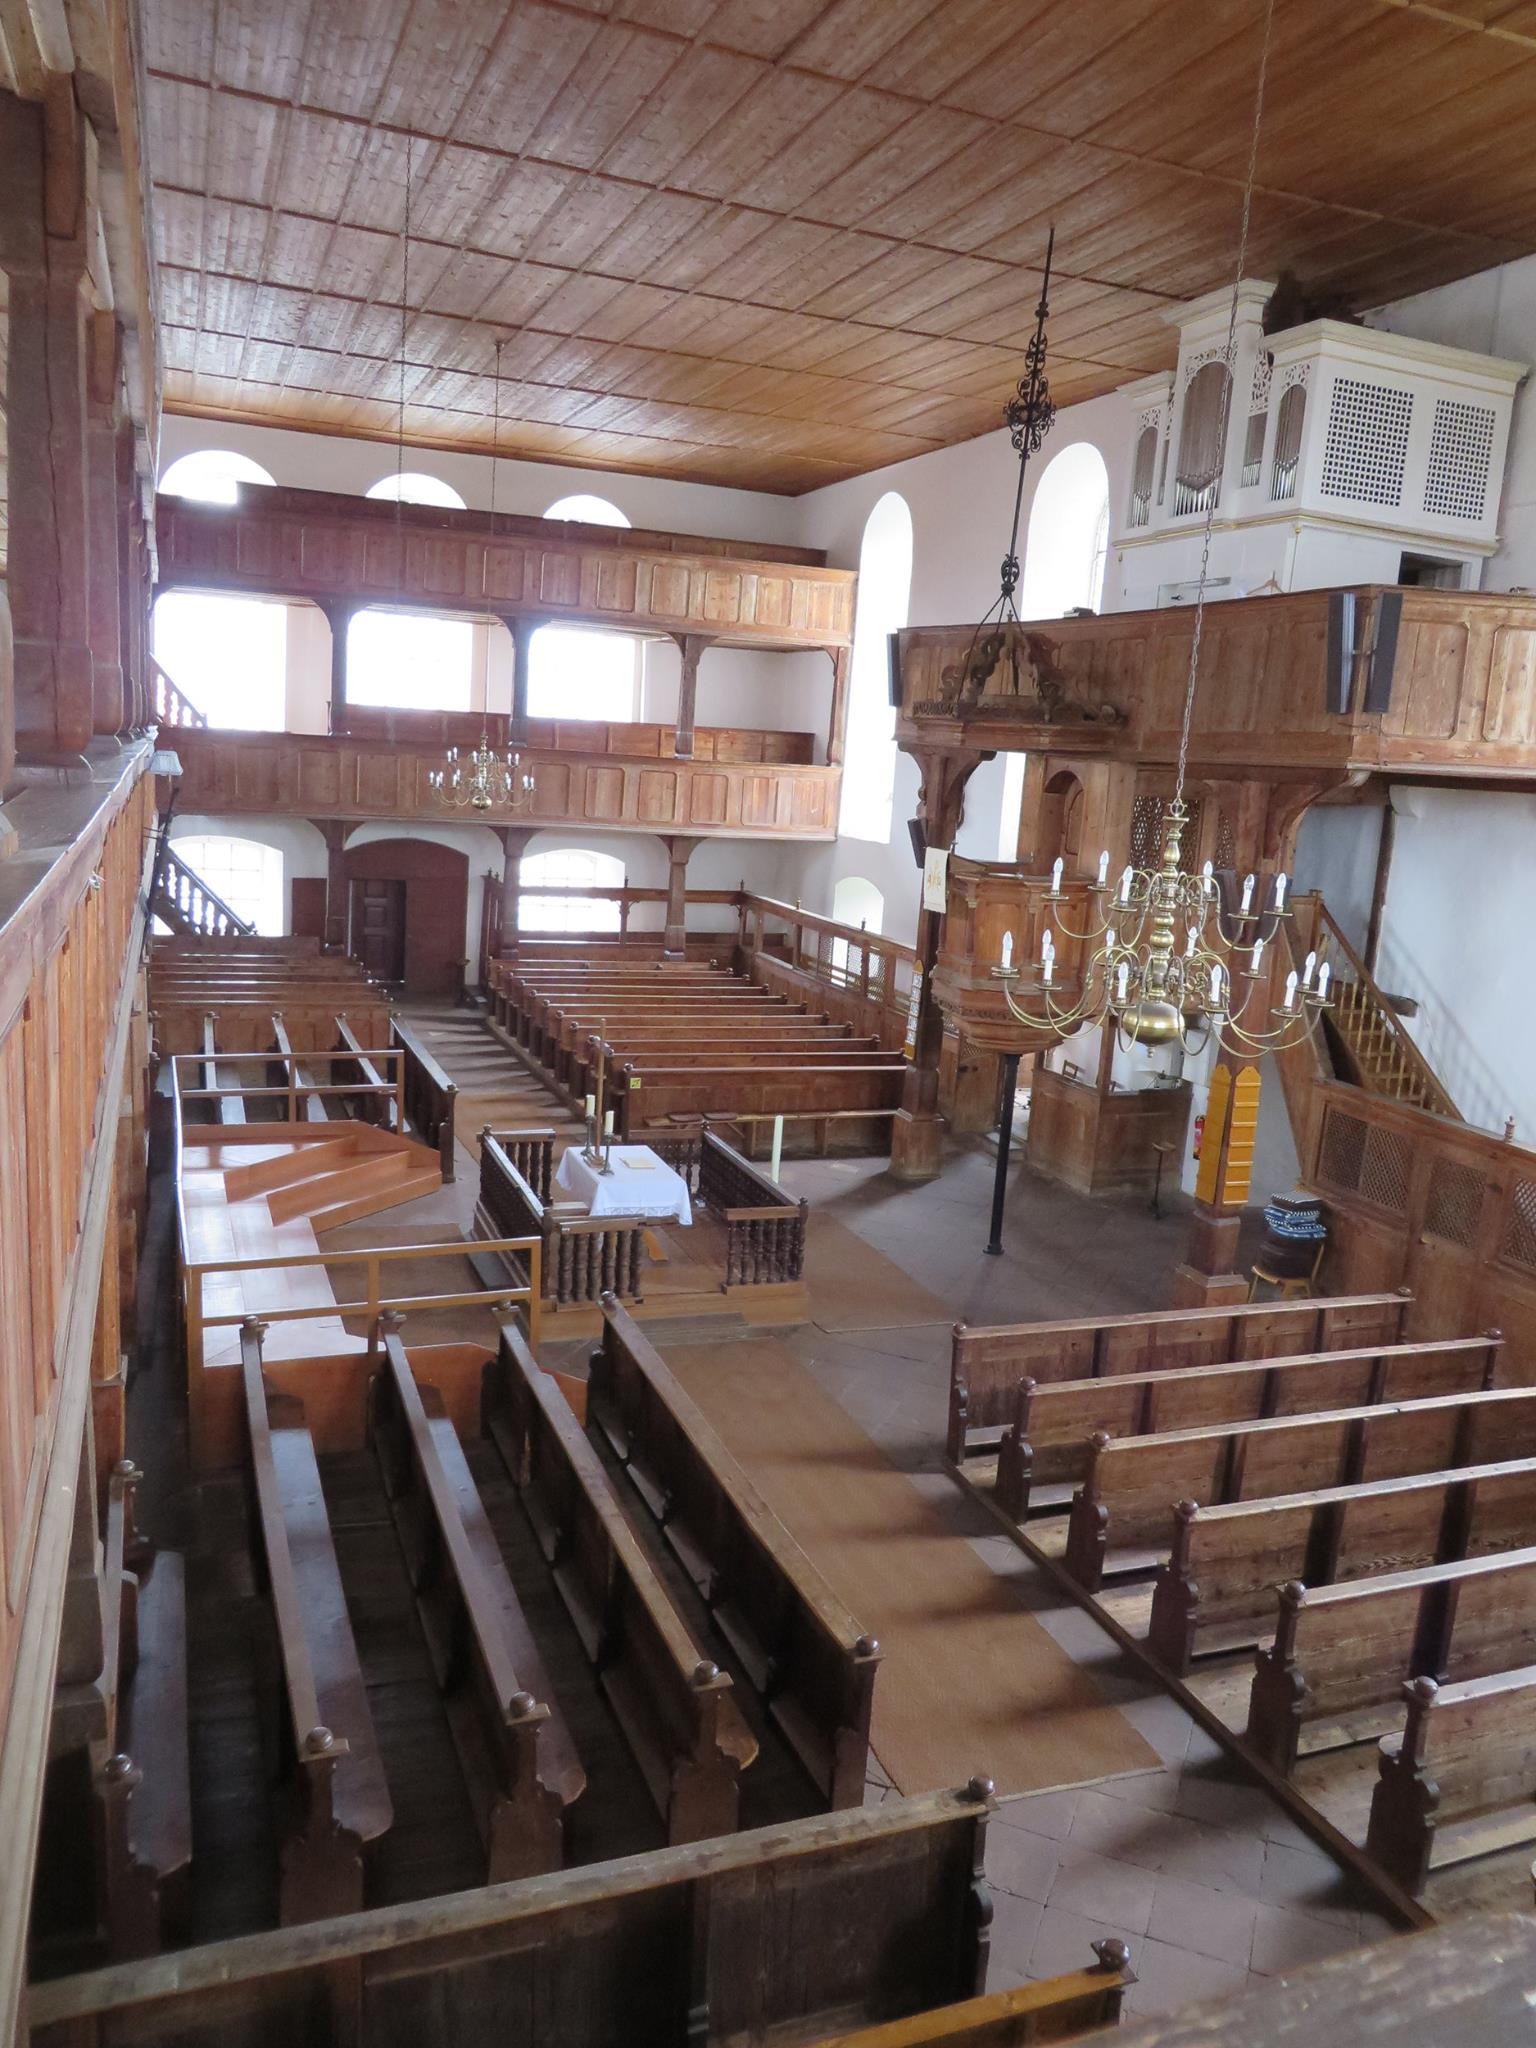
(428, 1094)
(863, 979)
(584, 1256)
(1426, 1202)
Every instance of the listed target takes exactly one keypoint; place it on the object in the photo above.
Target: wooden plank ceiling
(777, 242)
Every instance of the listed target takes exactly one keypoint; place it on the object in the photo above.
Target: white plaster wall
(1336, 852)
(326, 462)
(301, 844)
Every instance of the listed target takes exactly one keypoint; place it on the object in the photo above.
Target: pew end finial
(981, 1789)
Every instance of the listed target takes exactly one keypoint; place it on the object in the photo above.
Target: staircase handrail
(1329, 940)
(172, 704)
(181, 888)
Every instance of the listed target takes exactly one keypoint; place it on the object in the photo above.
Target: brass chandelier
(1171, 963)
(484, 780)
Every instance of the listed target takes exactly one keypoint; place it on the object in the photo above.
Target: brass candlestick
(596, 1149)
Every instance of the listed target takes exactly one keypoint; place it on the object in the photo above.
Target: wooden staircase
(1366, 1039)
(353, 1173)
(181, 899)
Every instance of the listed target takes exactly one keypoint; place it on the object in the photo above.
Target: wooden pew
(341, 1801)
(989, 1364)
(655, 1095)
(1054, 2009)
(286, 1071)
(799, 1645)
(377, 1103)
(222, 1109)
(709, 1943)
(1217, 1589)
(519, 1761)
(674, 1705)
(1460, 1780)
(429, 1095)
(1341, 1651)
(143, 1787)
(1047, 1442)
(1133, 1482)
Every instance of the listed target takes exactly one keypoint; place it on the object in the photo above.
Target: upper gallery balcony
(1333, 683)
(401, 631)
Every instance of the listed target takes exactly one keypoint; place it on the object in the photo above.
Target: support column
(43, 251)
(674, 944)
(514, 844)
(917, 1131)
(522, 631)
(693, 646)
(837, 723)
(338, 610)
(1004, 1145)
(108, 522)
(335, 832)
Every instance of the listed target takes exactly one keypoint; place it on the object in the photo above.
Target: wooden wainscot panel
(603, 796)
(259, 776)
(658, 800)
(559, 578)
(327, 778)
(552, 789)
(757, 799)
(502, 574)
(382, 783)
(774, 596)
(615, 584)
(381, 562)
(1428, 679)
(1510, 712)
(437, 567)
(669, 590)
(708, 799)
(722, 604)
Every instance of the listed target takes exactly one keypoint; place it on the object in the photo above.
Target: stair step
(422, 1180)
(323, 1190)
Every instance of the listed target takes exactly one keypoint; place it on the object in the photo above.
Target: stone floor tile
(1169, 1978)
(1222, 1796)
(1021, 1863)
(1064, 1941)
(1222, 1858)
(1042, 1813)
(1213, 1923)
(1306, 1881)
(1156, 1790)
(1116, 1828)
(1285, 1939)
(1015, 1924)
(1102, 1888)
(1165, 1725)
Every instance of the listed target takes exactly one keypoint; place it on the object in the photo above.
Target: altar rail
(584, 1257)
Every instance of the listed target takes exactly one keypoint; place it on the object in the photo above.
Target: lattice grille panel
(1367, 445)
(1519, 1245)
(1225, 855)
(1455, 1202)
(1147, 815)
(1460, 459)
(1343, 1149)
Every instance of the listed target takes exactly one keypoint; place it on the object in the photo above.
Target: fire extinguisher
(1199, 1134)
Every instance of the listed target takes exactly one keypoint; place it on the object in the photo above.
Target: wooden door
(378, 928)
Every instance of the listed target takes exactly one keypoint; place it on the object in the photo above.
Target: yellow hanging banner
(1217, 1107)
(1245, 1122)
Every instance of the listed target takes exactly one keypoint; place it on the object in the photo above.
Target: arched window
(582, 672)
(885, 590)
(227, 655)
(859, 903)
(409, 660)
(415, 487)
(590, 510)
(212, 475)
(248, 875)
(569, 867)
(1068, 535)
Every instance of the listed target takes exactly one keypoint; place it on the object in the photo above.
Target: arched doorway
(407, 913)
(1061, 820)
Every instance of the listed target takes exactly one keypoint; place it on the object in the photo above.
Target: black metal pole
(1004, 1144)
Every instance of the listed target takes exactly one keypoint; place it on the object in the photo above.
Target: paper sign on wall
(935, 878)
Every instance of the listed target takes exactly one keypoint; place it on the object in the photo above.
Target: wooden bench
(1340, 1651)
(375, 1102)
(1047, 1442)
(288, 1072)
(430, 1096)
(341, 1800)
(651, 1095)
(519, 1761)
(142, 1786)
(1054, 2009)
(1134, 1482)
(674, 1705)
(774, 1935)
(1460, 1780)
(1217, 1589)
(583, 1256)
(799, 1645)
(988, 1365)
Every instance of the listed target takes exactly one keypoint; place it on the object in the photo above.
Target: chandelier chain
(1198, 633)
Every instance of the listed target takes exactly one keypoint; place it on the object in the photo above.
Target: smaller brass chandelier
(1156, 991)
(484, 780)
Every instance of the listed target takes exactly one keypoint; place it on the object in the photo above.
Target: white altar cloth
(641, 1184)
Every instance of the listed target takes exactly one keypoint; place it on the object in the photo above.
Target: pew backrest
(1467, 1751)
(800, 1646)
